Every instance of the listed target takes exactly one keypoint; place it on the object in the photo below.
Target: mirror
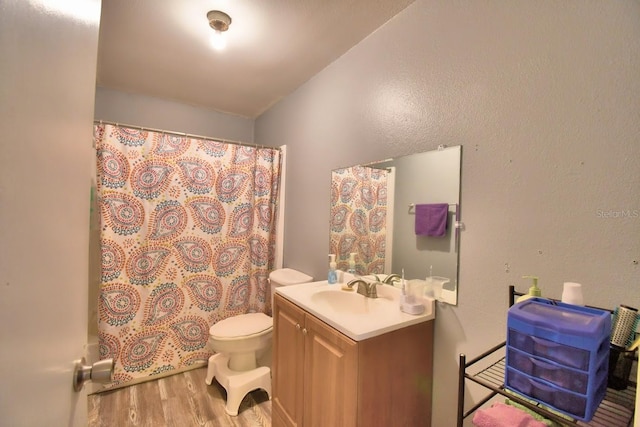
(373, 214)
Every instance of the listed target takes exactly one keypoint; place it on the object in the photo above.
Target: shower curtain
(358, 217)
(187, 239)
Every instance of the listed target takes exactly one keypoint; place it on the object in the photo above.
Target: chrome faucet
(391, 278)
(368, 289)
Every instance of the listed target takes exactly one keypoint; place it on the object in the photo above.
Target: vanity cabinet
(322, 378)
(314, 372)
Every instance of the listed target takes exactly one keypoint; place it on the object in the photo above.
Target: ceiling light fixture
(220, 22)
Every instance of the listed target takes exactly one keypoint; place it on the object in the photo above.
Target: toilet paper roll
(624, 324)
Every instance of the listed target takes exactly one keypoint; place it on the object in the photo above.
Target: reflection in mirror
(373, 214)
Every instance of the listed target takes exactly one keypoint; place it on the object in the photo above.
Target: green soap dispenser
(534, 290)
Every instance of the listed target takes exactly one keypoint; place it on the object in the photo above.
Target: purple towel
(431, 220)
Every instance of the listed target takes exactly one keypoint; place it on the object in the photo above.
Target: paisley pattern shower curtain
(187, 239)
(358, 217)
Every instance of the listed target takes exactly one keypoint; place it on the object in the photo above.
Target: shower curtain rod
(188, 135)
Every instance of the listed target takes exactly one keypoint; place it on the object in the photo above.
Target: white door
(47, 85)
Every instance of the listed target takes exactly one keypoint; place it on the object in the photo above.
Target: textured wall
(139, 110)
(544, 96)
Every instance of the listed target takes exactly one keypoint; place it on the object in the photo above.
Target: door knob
(100, 372)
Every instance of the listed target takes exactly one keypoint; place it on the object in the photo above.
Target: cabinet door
(288, 358)
(331, 373)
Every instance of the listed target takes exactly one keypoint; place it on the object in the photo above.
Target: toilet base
(237, 383)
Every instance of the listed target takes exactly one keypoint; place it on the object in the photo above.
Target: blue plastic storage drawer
(561, 376)
(568, 334)
(573, 357)
(577, 405)
(558, 355)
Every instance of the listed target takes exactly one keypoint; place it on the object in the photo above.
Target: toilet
(238, 339)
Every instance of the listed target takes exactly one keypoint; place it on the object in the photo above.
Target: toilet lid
(242, 325)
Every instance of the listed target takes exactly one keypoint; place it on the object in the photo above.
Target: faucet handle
(390, 279)
(373, 290)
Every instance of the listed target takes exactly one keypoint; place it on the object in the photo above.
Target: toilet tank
(286, 277)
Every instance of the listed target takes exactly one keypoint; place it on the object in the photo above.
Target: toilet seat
(242, 326)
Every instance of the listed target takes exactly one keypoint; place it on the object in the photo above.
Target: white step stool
(237, 383)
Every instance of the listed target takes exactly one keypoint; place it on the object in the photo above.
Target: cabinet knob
(298, 326)
(304, 331)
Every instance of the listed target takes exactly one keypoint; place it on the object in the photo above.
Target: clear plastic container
(416, 288)
(435, 283)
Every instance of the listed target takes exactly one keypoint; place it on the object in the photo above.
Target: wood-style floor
(182, 400)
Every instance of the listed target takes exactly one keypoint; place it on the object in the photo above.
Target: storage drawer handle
(542, 364)
(542, 387)
(545, 342)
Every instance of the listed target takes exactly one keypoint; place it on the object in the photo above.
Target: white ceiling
(161, 48)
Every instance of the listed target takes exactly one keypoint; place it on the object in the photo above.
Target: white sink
(350, 302)
(340, 302)
(353, 314)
